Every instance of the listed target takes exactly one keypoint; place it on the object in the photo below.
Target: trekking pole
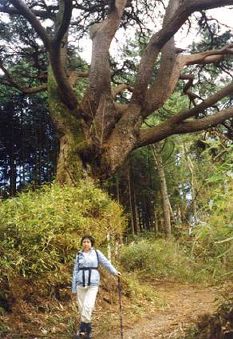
(120, 305)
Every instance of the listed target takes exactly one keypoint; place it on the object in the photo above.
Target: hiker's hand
(118, 274)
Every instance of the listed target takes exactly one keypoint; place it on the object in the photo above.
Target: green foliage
(158, 259)
(137, 291)
(203, 258)
(41, 230)
(214, 240)
(213, 237)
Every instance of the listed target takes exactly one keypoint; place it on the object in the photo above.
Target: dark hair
(92, 240)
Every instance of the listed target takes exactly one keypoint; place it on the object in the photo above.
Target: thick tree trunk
(113, 129)
(62, 100)
(84, 150)
(70, 166)
(163, 189)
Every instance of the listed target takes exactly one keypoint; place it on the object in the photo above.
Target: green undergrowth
(40, 232)
(175, 260)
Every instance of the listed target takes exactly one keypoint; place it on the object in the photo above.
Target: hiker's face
(86, 244)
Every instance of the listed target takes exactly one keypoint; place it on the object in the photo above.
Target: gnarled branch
(13, 11)
(102, 35)
(157, 94)
(31, 17)
(177, 123)
(206, 57)
(64, 25)
(75, 75)
(57, 55)
(53, 46)
(204, 123)
(168, 73)
(158, 40)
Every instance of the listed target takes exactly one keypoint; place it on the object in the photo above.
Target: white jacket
(85, 272)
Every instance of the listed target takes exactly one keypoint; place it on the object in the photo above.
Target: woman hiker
(86, 279)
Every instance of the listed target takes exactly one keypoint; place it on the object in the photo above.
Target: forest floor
(182, 305)
(172, 307)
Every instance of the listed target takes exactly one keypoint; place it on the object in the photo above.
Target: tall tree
(97, 129)
(166, 205)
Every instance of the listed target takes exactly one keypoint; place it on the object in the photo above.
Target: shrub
(205, 257)
(213, 242)
(158, 258)
(41, 230)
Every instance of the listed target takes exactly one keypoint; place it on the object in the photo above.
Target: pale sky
(223, 15)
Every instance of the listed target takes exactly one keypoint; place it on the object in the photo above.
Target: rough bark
(169, 71)
(70, 167)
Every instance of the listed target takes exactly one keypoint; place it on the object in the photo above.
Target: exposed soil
(183, 304)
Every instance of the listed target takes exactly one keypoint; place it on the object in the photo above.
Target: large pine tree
(97, 123)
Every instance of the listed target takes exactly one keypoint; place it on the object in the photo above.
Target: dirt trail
(183, 304)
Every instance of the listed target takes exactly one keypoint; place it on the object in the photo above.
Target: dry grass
(33, 314)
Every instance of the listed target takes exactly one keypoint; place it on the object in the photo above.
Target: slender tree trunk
(192, 182)
(130, 200)
(156, 225)
(163, 189)
(13, 175)
(136, 221)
